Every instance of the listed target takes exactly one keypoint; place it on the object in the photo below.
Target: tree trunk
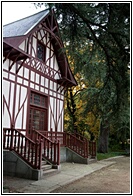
(103, 137)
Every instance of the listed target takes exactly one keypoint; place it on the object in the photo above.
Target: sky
(12, 11)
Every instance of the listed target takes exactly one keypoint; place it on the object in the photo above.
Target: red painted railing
(92, 149)
(50, 149)
(29, 151)
(91, 145)
(75, 142)
(77, 145)
(46, 145)
(58, 136)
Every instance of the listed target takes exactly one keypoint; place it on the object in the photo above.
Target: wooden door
(37, 114)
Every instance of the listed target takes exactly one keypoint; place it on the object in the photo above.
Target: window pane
(31, 96)
(40, 51)
(37, 119)
(38, 100)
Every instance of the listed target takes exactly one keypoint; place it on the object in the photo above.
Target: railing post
(94, 149)
(87, 152)
(84, 142)
(58, 153)
(36, 153)
(64, 138)
(55, 151)
(11, 143)
(40, 154)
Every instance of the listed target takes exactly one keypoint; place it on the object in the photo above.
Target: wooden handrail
(32, 152)
(52, 135)
(81, 145)
(28, 150)
(92, 148)
(77, 145)
(51, 148)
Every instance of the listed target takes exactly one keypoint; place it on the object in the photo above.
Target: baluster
(48, 150)
(25, 147)
(85, 148)
(11, 142)
(70, 141)
(36, 153)
(91, 148)
(55, 151)
(8, 138)
(94, 149)
(44, 147)
(87, 153)
(18, 143)
(58, 153)
(15, 139)
(21, 145)
(29, 150)
(40, 154)
(32, 153)
(51, 151)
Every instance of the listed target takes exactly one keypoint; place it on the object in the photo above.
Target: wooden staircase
(47, 169)
(31, 151)
(42, 152)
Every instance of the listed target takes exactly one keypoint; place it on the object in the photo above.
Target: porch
(53, 147)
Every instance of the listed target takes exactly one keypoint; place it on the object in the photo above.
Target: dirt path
(112, 179)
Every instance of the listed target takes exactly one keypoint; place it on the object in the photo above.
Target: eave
(14, 54)
(66, 82)
(12, 51)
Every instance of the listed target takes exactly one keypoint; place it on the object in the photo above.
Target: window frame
(32, 103)
(44, 49)
(39, 108)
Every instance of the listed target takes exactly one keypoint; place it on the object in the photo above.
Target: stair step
(50, 172)
(46, 167)
(44, 162)
(92, 160)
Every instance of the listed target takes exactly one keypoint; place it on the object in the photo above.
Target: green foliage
(101, 156)
(97, 40)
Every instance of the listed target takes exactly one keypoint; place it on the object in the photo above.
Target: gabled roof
(15, 32)
(23, 26)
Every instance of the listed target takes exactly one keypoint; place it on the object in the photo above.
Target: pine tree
(97, 38)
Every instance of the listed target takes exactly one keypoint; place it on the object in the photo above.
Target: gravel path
(112, 179)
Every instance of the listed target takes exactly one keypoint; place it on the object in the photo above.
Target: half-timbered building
(36, 74)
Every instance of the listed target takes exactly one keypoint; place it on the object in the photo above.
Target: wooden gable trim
(14, 54)
(52, 28)
(14, 41)
(58, 47)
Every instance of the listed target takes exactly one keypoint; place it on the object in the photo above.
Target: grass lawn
(101, 156)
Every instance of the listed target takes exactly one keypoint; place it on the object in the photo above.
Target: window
(41, 50)
(37, 119)
(39, 100)
(38, 113)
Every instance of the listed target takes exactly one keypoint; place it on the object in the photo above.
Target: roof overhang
(66, 82)
(13, 53)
